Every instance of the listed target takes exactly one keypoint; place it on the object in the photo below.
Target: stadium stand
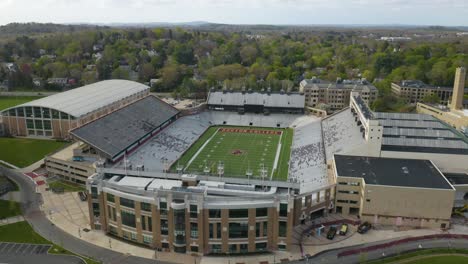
(341, 133)
(307, 163)
(167, 146)
(256, 102)
(125, 129)
(256, 120)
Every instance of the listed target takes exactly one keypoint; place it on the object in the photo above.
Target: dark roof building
(123, 130)
(392, 172)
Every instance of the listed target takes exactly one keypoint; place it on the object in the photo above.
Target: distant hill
(13, 29)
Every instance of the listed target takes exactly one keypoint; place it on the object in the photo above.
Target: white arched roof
(86, 99)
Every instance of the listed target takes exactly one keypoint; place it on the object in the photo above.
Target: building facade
(335, 96)
(456, 113)
(54, 116)
(394, 192)
(184, 214)
(414, 91)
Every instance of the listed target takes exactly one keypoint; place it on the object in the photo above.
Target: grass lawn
(441, 260)
(240, 149)
(25, 151)
(67, 186)
(21, 232)
(9, 101)
(9, 209)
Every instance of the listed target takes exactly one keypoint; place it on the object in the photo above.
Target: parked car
(331, 233)
(364, 227)
(344, 229)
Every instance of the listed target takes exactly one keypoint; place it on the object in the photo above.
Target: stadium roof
(285, 100)
(89, 98)
(118, 130)
(392, 172)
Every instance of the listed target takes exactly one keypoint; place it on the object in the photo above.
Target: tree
(146, 72)
(183, 54)
(431, 98)
(248, 54)
(120, 73)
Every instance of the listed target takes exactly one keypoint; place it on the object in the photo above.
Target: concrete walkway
(8, 164)
(11, 220)
(36, 165)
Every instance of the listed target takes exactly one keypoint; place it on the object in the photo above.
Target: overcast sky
(414, 12)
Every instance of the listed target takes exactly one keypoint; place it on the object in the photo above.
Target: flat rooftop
(392, 172)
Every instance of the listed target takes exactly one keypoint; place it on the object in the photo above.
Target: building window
(193, 230)
(164, 227)
(215, 248)
(283, 210)
(193, 211)
(147, 239)
(128, 218)
(113, 230)
(215, 213)
(260, 212)
(265, 229)
(211, 231)
(127, 202)
(163, 208)
(194, 248)
(218, 230)
(145, 206)
(238, 230)
(232, 248)
(261, 246)
(282, 228)
(238, 213)
(244, 248)
(110, 198)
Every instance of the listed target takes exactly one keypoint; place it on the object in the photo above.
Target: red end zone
(249, 131)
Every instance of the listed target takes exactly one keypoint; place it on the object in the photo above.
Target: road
(32, 213)
(331, 256)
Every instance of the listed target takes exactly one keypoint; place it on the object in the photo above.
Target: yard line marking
(200, 150)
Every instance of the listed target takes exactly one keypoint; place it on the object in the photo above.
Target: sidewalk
(11, 220)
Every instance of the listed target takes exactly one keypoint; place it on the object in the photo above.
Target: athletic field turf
(10, 101)
(25, 151)
(240, 149)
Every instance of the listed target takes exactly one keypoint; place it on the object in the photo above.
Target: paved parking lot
(23, 249)
(19, 253)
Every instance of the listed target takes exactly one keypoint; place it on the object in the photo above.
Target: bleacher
(167, 146)
(247, 119)
(341, 133)
(307, 164)
(123, 129)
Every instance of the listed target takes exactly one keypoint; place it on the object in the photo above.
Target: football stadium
(246, 171)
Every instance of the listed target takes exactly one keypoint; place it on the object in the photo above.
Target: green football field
(240, 149)
(10, 101)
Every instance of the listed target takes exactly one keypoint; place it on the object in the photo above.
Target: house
(98, 47)
(58, 81)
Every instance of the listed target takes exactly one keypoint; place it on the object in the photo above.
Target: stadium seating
(307, 163)
(341, 133)
(169, 144)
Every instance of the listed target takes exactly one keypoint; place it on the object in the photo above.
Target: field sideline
(240, 149)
